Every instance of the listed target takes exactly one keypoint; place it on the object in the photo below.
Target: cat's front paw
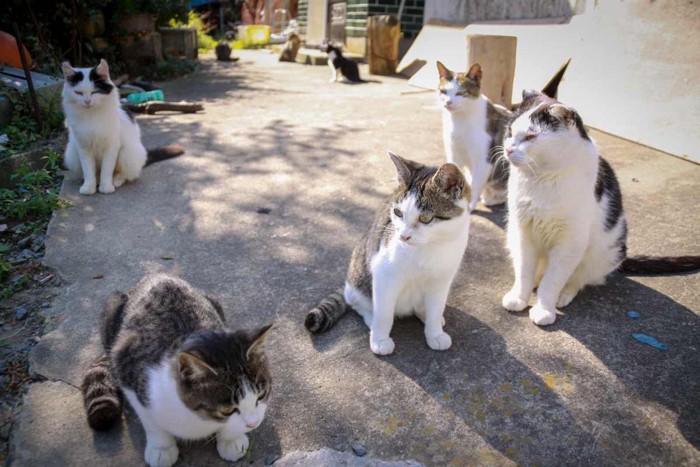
(87, 189)
(541, 316)
(381, 346)
(161, 456)
(106, 189)
(232, 449)
(513, 302)
(441, 341)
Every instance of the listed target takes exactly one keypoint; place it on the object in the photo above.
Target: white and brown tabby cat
(473, 131)
(185, 373)
(408, 258)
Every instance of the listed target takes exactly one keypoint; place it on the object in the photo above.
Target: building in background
(345, 21)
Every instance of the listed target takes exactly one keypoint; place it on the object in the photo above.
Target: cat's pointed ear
(404, 167)
(444, 72)
(102, 69)
(529, 94)
(449, 180)
(68, 70)
(475, 74)
(257, 342)
(193, 368)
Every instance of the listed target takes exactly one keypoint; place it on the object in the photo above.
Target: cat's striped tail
(163, 153)
(102, 398)
(659, 264)
(326, 313)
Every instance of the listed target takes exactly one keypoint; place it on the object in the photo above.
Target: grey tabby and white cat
(566, 225)
(408, 258)
(185, 373)
(473, 129)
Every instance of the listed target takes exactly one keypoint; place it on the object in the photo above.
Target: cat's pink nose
(405, 238)
(509, 150)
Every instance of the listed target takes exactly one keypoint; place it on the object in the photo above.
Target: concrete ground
(279, 136)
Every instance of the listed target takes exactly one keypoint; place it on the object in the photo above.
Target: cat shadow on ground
(480, 393)
(364, 81)
(598, 319)
(589, 406)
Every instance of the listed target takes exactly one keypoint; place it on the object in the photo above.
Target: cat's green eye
(229, 411)
(80, 93)
(426, 218)
(529, 137)
(398, 212)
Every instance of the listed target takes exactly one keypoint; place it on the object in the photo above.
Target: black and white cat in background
(336, 62)
(566, 225)
(103, 139)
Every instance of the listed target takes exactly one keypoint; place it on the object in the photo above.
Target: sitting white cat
(103, 138)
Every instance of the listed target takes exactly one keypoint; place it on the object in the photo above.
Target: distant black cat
(347, 67)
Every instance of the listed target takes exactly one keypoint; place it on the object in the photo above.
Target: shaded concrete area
(279, 136)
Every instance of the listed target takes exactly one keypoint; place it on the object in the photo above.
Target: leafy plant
(5, 266)
(22, 131)
(205, 42)
(36, 193)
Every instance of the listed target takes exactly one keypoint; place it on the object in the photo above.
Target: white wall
(469, 11)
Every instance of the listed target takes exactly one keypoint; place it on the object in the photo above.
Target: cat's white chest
(96, 131)
(414, 270)
(465, 137)
(167, 410)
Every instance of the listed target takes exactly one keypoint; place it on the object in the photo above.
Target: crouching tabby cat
(102, 137)
(407, 259)
(566, 225)
(168, 350)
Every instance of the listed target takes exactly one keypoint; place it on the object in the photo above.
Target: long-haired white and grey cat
(185, 373)
(566, 224)
(407, 259)
(103, 138)
(473, 129)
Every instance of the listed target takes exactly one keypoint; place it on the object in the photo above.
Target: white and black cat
(566, 225)
(408, 258)
(473, 131)
(185, 373)
(103, 138)
(336, 61)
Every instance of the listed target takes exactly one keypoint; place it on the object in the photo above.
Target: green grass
(36, 193)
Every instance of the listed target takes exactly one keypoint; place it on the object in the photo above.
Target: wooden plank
(496, 55)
